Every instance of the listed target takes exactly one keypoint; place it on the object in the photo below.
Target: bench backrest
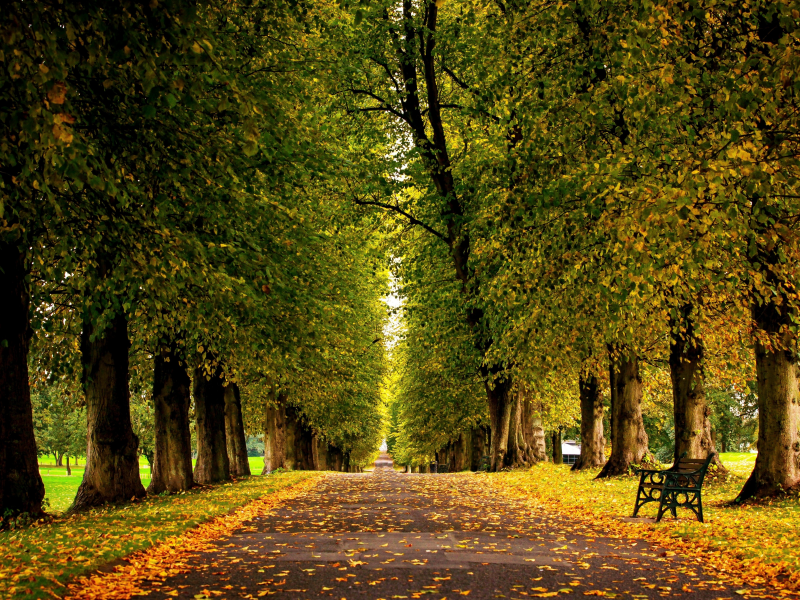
(695, 469)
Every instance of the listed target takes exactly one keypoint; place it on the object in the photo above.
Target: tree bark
(212, 446)
(299, 438)
(777, 467)
(335, 458)
(112, 458)
(500, 405)
(593, 444)
(526, 429)
(346, 461)
(629, 444)
(517, 446)
(480, 444)
(172, 465)
(692, 422)
(558, 455)
(234, 432)
(21, 487)
(69, 471)
(538, 447)
(320, 448)
(463, 448)
(275, 433)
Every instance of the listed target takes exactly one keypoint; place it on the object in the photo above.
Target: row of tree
(595, 195)
(174, 222)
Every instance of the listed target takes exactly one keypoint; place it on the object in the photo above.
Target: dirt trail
(392, 535)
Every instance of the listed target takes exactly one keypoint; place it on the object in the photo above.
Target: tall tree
(172, 466)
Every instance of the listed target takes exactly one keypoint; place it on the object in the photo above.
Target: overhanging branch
(411, 219)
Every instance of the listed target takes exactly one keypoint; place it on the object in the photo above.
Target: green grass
(256, 464)
(60, 489)
(36, 561)
(738, 463)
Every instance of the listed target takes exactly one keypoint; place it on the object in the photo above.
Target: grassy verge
(60, 488)
(37, 561)
(765, 530)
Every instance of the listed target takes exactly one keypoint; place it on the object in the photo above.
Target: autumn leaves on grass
(39, 561)
(745, 544)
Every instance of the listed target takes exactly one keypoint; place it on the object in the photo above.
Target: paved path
(392, 535)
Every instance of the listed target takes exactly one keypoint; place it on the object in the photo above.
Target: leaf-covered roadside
(38, 561)
(754, 543)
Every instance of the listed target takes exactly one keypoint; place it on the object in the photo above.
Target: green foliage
(735, 419)
(59, 423)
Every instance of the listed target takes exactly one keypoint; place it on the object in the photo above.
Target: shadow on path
(390, 535)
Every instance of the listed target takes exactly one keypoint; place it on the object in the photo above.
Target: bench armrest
(651, 477)
(643, 471)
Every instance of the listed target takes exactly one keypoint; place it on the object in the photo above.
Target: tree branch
(413, 220)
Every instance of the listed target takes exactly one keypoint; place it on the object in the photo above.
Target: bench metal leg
(700, 508)
(637, 505)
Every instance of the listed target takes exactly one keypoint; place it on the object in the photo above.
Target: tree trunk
(234, 432)
(212, 447)
(112, 458)
(777, 467)
(479, 447)
(517, 445)
(463, 447)
(172, 464)
(69, 471)
(21, 487)
(275, 433)
(291, 439)
(629, 444)
(558, 455)
(526, 429)
(346, 462)
(538, 447)
(593, 444)
(692, 422)
(320, 448)
(299, 441)
(335, 458)
(500, 405)
(59, 459)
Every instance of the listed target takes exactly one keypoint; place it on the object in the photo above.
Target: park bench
(679, 486)
(442, 468)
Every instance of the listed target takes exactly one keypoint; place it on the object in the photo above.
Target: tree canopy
(588, 210)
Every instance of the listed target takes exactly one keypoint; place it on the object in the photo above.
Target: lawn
(760, 532)
(60, 489)
(36, 561)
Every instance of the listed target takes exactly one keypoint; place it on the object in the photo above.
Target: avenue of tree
(584, 207)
